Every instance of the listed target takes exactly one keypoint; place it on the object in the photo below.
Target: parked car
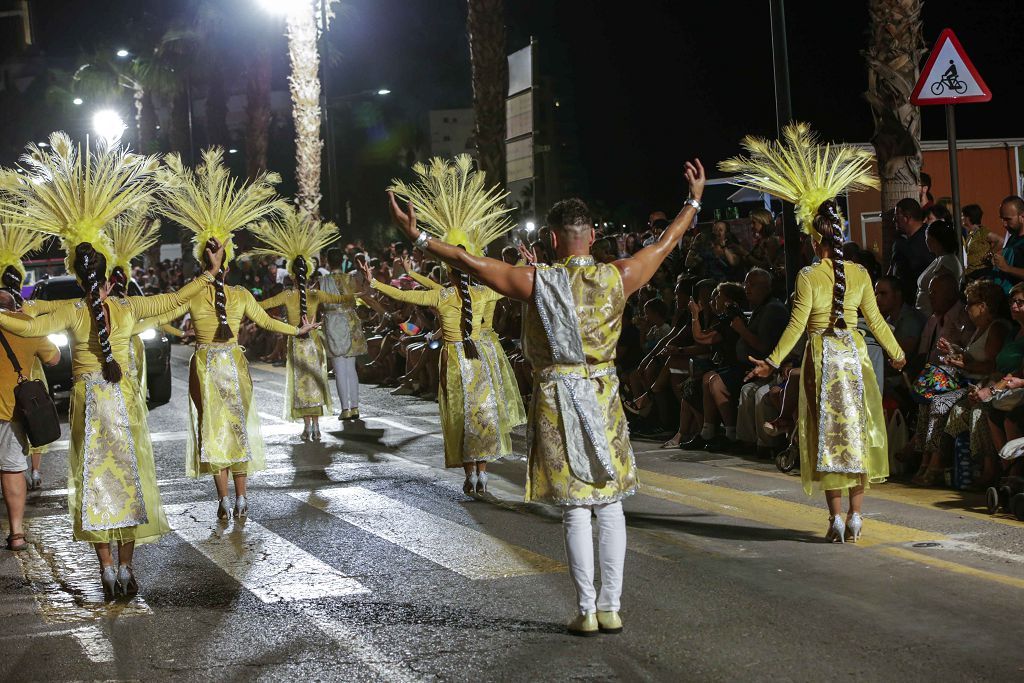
(158, 346)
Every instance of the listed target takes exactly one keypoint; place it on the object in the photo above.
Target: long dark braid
(118, 281)
(91, 267)
(299, 271)
(11, 281)
(829, 225)
(466, 323)
(220, 299)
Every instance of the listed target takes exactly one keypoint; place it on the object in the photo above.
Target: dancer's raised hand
(214, 256)
(404, 219)
(694, 172)
(364, 268)
(528, 255)
(307, 326)
(762, 369)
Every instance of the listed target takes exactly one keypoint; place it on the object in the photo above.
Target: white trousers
(751, 414)
(579, 548)
(347, 380)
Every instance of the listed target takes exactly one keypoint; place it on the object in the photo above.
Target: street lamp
(108, 124)
(77, 101)
(383, 91)
(122, 53)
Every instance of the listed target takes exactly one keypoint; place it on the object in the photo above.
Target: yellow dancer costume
(224, 428)
(841, 428)
(112, 492)
(510, 401)
(297, 238)
(454, 205)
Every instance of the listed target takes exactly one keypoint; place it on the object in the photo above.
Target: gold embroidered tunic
(841, 427)
(112, 491)
(579, 453)
(472, 421)
(343, 330)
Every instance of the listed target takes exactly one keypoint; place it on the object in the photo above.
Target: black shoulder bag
(33, 407)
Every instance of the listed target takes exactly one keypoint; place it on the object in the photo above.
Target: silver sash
(586, 439)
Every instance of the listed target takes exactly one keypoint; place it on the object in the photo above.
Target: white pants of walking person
(347, 380)
(579, 548)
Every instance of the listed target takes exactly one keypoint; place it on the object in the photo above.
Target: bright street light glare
(76, 101)
(122, 52)
(530, 226)
(383, 91)
(232, 151)
(108, 124)
(282, 8)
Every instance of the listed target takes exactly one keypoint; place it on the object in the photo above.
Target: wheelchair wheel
(1018, 506)
(786, 460)
(1005, 496)
(992, 500)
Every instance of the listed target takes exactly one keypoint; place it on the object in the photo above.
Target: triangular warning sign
(949, 77)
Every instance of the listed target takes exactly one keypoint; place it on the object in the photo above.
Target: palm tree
(304, 84)
(894, 53)
(485, 24)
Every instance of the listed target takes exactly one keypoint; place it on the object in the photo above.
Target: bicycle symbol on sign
(950, 79)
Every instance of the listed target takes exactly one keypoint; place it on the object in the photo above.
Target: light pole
(783, 115)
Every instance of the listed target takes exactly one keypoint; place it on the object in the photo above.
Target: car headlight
(146, 335)
(58, 339)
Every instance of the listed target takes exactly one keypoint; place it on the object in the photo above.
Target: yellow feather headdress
(210, 203)
(17, 240)
(293, 235)
(132, 234)
(76, 196)
(800, 170)
(453, 205)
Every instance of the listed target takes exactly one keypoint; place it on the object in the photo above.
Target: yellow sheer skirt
(112, 490)
(468, 401)
(224, 423)
(307, 391)
(873, 453)
(511, 411)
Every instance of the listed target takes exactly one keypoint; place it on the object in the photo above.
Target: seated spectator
(656, 326)
(766, 252)
(941, 241)
(907, 322)
(1009, 263)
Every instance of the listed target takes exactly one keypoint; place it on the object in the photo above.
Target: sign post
(949, 78)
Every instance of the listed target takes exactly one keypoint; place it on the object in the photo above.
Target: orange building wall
(986, 177)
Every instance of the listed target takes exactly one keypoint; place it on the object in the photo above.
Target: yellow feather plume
(801, 170)
(16, 241)
(61, 191)
(294, 234)
(453, 205)
(132, 234)
(210, 203)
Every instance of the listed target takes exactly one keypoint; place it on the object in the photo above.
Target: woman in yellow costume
(112, 491)
(297, 238)
(15, 242)
(841, 428)
(224, 426)
(455, 207)
(510, 401)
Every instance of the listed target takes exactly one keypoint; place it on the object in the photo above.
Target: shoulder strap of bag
(13, 358)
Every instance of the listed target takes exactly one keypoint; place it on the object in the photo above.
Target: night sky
(650, 83)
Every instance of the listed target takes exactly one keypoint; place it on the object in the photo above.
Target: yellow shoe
(345, 415)
(584, 625)
(609, 622)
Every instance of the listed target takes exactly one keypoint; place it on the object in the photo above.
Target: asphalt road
(362, 560)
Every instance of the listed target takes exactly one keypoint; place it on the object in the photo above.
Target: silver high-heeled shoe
(469, 486)
(35, 482)
(853, 527)
(836, 530)
(315, 435)
(305, 433)
(108, 577)
(224, 508)
(241, 507)
(481, 483)
(126, 582)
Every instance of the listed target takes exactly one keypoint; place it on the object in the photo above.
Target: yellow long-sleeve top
(489, 307)
(314, 299)
(37, 307)
(163, 322)
(124, 313)
(240, 304)
(447, 303)
(812, 308)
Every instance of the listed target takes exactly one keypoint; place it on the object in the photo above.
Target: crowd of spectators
(956, 307)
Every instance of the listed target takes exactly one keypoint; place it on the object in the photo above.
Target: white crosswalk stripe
(272, 568)
(454, 546)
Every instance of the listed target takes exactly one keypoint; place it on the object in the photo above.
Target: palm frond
(453, 205)
(210, 202)
(73, 195)
(801, 170)
(293, 234)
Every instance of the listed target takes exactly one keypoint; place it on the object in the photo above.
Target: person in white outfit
(343, 333)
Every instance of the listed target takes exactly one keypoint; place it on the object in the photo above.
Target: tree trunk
(485, 24)
(217, 107)
(257, 110)
(304, 84)
(179, 124)
(895, 48)
(148, 138)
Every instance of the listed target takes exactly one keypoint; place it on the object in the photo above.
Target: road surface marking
(94, 643)
(272, 568)
(954, 567)
(65, 576)
(357, 646)
(403, 427)
(454, 546)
